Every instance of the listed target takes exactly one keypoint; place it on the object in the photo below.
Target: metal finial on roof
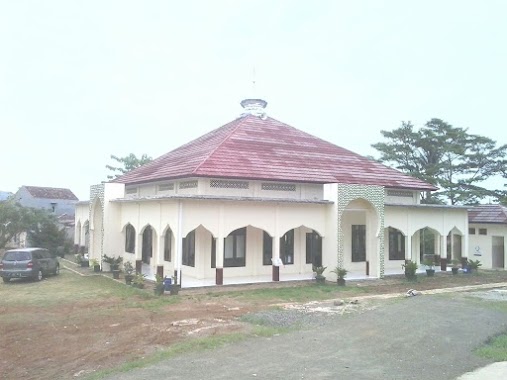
(254, 107)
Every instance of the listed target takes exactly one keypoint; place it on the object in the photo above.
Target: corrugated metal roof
(50, 193)
(263, 148)
(488, 214)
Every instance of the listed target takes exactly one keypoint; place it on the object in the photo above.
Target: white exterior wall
(204, 187)
(481, 246)
(82, 213)
(410, 220)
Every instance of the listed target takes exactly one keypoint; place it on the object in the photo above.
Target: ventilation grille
(225, 184)
(132, 190)
(278, 186)
(398, 193)
(166, 187)
(188, 184)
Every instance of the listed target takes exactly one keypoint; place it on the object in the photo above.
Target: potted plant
(95, 265)
(474, 265)
(174, 287)
(340, 275)
(114, 262)
(430, 267)
(129, 272)
(159, 285)
(82, 261)
(410, 267)
(318, 274)
(455, 266)
(138, 280)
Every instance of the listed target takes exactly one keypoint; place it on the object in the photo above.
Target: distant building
(4, 195)
(57, 200)
(487, 231)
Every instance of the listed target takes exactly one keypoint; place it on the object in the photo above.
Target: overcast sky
(81, 80)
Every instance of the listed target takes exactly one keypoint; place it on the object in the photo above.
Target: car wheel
(57, 270)
(39, 275)
(6, 279)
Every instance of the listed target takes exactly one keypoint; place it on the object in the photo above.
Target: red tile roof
(50, 193)
(488, 214)
(252, 147)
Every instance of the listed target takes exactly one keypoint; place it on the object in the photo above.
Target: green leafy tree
(41, 227)
(127, 164)
(448, 157)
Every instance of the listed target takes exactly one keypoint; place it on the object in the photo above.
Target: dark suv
(32, 263)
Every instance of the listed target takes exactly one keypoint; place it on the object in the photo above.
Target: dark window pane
(267, 249)
(235, 248)
(358, 243)
(287, 248)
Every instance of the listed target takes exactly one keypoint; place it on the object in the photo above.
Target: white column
(179, 242)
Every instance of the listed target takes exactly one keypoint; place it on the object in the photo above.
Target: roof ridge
(219, 145)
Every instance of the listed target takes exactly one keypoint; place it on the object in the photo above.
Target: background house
(57, 200)
(487, 232)
(4, 195)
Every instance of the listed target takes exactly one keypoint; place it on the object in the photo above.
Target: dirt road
(423, 337)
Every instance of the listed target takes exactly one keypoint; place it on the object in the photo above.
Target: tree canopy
(448, 157)
(127, 164)
(41, 227)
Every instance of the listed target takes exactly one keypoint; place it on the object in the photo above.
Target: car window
(16, 256)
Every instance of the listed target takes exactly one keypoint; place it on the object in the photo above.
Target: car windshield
(16, 256)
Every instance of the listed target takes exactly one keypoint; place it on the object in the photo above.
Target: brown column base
(219, 276)
(175, 277)
(139, 266)
(443, 264)
(76, 249)
(367, 268)
(82, 249)
(276, 273)
(160, 271)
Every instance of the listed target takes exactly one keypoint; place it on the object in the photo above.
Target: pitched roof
(262, 148)
(488, 214)
(50, 193)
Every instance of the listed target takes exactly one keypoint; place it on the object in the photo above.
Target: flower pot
(455, 270)
(340, 282)
(116, 274)
(174, 290)
(96, 268)
(410, 276)
(85, 264)
(320, 279)
(159, 289)
(128, 279)
(430, 272)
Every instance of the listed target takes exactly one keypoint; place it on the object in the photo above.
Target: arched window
(167, 244)
(314, 249)
(396, 244)
(188, 254)
(235, 248)
(130, 238)
(287, 248)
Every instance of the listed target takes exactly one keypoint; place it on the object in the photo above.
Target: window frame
(130, 238)
(235, 261)
(168, 240)
(267, 249)
(358, 235)
(188, 250)
(394, 237)
(287, 248)
(314, 249)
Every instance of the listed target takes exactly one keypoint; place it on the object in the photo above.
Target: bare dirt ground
(71, 326)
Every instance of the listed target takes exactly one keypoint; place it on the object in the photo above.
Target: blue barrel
(167, 283)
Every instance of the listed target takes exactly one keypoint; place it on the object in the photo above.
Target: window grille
(226, 184)
(132, 190)
(166, 187)
(278, 186)
(188, 184)
(398, 193)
